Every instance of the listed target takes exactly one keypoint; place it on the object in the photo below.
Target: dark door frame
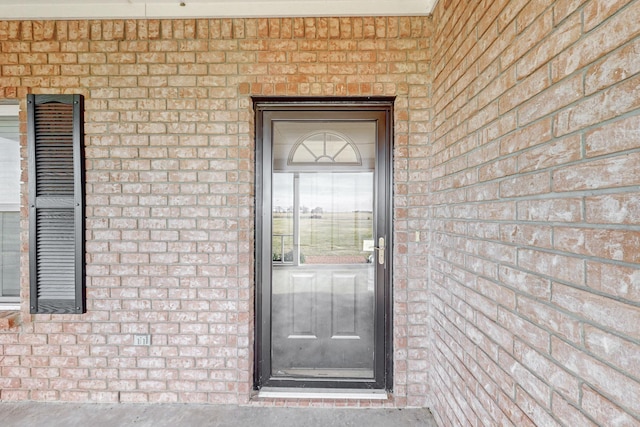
(383, 376)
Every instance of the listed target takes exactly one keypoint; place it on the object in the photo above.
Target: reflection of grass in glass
(282, 240)
(328, 233)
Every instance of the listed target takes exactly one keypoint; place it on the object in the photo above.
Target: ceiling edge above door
(131, 9)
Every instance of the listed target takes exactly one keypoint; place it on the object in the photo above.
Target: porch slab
(142, 415)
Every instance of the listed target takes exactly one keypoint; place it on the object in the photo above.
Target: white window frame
(10, 109)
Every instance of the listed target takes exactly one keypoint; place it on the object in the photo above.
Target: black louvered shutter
(56, 208)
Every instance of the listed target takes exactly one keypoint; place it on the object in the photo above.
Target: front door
(323, 245)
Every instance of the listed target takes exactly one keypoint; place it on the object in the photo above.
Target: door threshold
(321, 393)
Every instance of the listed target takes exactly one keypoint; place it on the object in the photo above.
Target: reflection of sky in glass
(333, 192)
(282, 191)
(9, 171)
(9, 158)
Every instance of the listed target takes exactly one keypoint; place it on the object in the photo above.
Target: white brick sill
(320, 393)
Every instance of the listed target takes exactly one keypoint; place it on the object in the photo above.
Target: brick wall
(516, 199)
(535, 283)
(170, 188)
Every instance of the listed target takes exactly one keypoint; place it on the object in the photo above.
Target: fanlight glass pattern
(324, 147)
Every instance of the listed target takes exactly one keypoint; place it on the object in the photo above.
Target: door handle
(380, 248)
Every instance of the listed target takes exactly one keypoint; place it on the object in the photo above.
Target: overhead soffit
(97, 9)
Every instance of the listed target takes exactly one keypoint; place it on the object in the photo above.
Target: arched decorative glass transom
(324, 147)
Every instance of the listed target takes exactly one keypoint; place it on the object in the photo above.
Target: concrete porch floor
(175, 415)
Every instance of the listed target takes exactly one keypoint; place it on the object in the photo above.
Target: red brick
(9, 320)
(526, 235)
(492, 50)
(520, 93)
(564, 8)
(550, 210)
(609, 244)
(568, 413)
(617, 351)
(614, 68)
(602, 410)
(488, 211)
(619, 281)
(502, 13)
(608, 313)
(133, 397)
(556, 266)
(613, 137)
(549, 317)
(528, 136)
(555, 153)
(15, 395)
(553, 99)
(525, 380)
(524, 282)
(597, 11)
(534, 410)
(525, 185)
(607, 104)
(496, 333)
(497, 169)
(513, 411)
(602, 40)
(529, 35)
(563, 36)
(541, 365)
(612, 172)
(622, 389)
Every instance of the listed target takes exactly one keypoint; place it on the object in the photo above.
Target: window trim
(9, 108)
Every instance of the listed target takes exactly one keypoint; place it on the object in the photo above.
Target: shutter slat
(56, 252)
(55, 179)
(54, 149)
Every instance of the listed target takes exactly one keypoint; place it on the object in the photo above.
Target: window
(322, 217)
(9, 207)
(322, 192)
(327, 147)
